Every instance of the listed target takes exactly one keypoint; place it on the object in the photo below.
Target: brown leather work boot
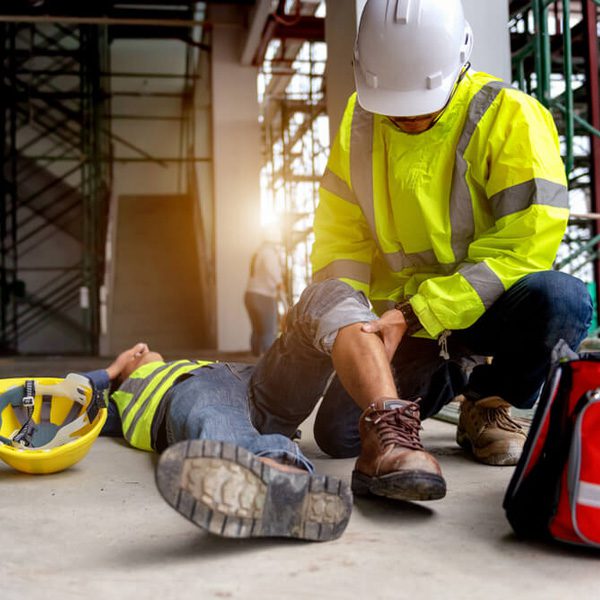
(486, 429)
(392, 462)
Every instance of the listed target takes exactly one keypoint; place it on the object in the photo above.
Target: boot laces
(397, 426)
(499, 416)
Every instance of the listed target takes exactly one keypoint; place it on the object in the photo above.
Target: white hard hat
(409, 54)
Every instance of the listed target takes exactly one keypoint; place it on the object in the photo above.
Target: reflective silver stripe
(138, 415)
(535, 191)
(361, 173)
(336, 185)
(400, 260)
(352, 269)
(136, 386)
(589, 494)
(462, 220)
(484, 281)
(361, 163)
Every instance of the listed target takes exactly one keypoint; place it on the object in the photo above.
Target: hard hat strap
(25, 435)
(460, 77)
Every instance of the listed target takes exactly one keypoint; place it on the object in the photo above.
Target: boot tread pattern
(229, 492)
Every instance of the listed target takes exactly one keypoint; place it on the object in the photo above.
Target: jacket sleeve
(343, 247)
(516, 168)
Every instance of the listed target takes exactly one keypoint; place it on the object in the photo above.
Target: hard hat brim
(394, 103)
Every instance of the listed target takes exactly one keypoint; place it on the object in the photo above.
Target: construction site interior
(147, 144)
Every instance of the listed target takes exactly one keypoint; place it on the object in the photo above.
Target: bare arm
(124, 359)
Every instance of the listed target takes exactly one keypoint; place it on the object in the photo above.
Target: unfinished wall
(147, 114)
(156, 293)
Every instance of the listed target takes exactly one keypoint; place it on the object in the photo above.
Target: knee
(561, 296)
(322, 310)
(561, 304)
(318, 298)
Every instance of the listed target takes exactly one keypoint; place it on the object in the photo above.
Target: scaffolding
(58, 90)
(295, 144)
(555, 58)
(54, 181)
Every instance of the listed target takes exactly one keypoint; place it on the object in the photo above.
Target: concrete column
(236, 154)
(489, 21)
(340, 31)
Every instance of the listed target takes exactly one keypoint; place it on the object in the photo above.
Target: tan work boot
(392, 462)
(486, 428)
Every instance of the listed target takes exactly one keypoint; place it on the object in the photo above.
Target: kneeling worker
(215, 468)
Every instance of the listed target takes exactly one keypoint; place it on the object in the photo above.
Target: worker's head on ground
(129, 360)
(409, 54)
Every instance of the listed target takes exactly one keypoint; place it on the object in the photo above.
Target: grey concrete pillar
(489, 21)
(340, 31)
(236, 154)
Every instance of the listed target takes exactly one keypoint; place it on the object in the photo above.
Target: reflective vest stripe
(361, 163)
(462, 221)
(352, 269)
(162, 383)
(336, 185)
(136, 386)
(398, 261)
(589, 494)
(522, 196)
(484, 281)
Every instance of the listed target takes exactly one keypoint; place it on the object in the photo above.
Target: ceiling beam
(260, 17)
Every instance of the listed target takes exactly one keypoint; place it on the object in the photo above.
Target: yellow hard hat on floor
(48, 424)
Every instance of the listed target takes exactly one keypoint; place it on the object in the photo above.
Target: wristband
(412, 321)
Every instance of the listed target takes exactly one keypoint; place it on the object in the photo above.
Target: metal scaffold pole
(590, 18)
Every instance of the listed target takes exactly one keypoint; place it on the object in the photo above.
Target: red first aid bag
(555, 490)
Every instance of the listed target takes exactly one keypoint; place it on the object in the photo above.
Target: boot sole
(227, 491)
(497, 454)
(402, 485)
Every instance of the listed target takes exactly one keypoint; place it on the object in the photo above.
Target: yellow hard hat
(48, 424)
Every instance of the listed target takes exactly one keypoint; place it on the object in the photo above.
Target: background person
(264, 291)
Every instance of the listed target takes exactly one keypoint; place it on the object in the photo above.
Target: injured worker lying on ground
(215, 468)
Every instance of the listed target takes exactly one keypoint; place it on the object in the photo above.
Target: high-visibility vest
(449, 218)
(139, 397)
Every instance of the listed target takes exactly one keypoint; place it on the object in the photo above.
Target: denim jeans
(212, 405)
(519, 331)
(262, 311)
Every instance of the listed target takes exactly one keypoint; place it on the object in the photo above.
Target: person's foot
(392, 461)
(486, 429)
(232, 493)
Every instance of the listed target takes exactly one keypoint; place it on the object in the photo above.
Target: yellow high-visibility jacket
(449, 218)
(140, 395)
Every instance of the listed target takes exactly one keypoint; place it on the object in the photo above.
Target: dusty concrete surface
(101, 530)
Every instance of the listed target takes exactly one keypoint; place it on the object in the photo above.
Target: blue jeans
(212, 405)
(519, 331)
(262, 311)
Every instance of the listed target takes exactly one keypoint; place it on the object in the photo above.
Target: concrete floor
(101, 530)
